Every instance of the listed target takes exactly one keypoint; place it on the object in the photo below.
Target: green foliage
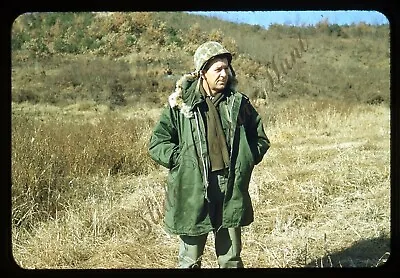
(65, 19)
(37, 47)
(18, 40)
(62, 46)
(131, 40)
(155, 39)
(336, 30)
(173, 37)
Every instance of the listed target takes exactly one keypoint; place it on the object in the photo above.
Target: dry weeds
(321, 198)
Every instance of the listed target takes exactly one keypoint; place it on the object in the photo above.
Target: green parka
(178, 142)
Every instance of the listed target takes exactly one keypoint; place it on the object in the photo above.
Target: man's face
(216, 76)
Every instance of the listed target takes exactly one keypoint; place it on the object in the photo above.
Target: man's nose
(224, 72)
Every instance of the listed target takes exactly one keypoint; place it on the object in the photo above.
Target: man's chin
(221, 86)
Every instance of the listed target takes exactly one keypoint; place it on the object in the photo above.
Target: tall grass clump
(49, 154)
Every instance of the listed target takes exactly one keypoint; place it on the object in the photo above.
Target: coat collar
(187, 94)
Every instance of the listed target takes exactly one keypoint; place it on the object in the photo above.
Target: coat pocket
(246, 157)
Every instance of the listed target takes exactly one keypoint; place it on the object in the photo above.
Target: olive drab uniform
(198, 200)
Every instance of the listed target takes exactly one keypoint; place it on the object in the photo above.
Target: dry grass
(85, 194)
(321, 197)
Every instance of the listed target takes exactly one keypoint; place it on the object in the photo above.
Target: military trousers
(227, 241)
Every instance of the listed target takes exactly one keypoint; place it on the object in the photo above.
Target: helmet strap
(200, 76)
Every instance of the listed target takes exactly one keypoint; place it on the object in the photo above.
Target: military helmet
(207, 51)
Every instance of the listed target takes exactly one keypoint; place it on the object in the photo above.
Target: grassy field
(321, 195)
(85, 194)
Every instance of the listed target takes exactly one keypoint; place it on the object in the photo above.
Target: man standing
(210, 138)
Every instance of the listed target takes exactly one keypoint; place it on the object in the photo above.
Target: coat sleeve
(164, 140)
(259, 142)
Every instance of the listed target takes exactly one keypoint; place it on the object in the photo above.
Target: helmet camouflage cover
(207, 51)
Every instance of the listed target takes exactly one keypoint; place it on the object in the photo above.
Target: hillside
(346, 63)
(88, 88)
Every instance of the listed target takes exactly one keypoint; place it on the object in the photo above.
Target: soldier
(210, 138)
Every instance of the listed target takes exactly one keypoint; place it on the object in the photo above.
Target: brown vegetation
(87, 90)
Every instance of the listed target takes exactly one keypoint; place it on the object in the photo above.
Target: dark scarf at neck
(217, 148)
